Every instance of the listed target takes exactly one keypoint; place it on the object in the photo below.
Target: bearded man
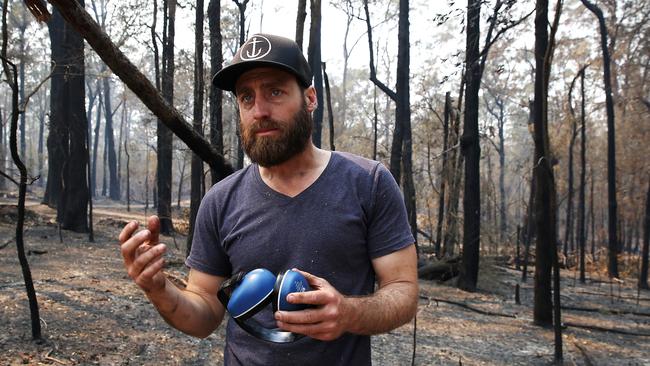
(337, 218)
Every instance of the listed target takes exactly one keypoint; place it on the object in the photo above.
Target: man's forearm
(388, 308)
(185, 310)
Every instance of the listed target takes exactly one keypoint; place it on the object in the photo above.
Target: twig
(603, 329)
(468, 307)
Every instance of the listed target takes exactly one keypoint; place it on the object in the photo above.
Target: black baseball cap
(265, 50)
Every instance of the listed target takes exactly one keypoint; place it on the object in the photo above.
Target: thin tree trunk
(165, 136)
(568, 229)
(403, 114)
(444, 174)
(314, 59)
(242, 38)
(197, 165)
(643, 274)
(401, 149)
(545, 197)
(330, 112)
(128, 162)
(612, 266)
(11, 77)
(93, 170)
(114, 183)
(583, 170)
(471, 150)
(2, 153)
(301, 15)
(216, 94)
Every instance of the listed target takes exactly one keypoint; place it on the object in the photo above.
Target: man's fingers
(145, 258)
(152, 268)
(314, 281)
(308, 297)
(304, 317)
(127, 231)
(130, 246)
(153, 224)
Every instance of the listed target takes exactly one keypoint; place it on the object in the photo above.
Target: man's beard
(274, 150)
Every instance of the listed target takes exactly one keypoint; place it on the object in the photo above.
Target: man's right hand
(143, 255)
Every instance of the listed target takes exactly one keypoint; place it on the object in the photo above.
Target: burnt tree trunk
(643, 275)
(11, 72)
(330, 112)
(196, 175)
(398, 134)
(582, 236)
(216, 94)
(451, 233)
(165, 137)
(401, 150)
(126, 120)
(67, 183)
(472, 153)
(301, 15)
(444, 174)
(114, 182)
(242, 38)
(568, 229)
(314, 58)
(612, 266)
(403, 113)
(2, 152)
(545, 195)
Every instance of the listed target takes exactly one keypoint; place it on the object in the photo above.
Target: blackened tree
(67, 186)
(612, 206)
(165, 136)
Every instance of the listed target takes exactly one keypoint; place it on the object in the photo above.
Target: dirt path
(92, 314)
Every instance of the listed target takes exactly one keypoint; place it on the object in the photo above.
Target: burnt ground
(92, 314)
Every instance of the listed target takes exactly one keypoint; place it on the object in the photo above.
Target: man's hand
(394, 302)
(143, 255)
(326, 321)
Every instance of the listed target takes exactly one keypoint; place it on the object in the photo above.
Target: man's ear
(310, 99)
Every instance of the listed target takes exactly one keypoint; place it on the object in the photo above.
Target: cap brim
(226, 78)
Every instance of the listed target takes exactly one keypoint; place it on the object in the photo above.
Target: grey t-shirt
(354, 212)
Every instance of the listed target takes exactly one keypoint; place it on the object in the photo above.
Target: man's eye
(245, 99)
(276, 92)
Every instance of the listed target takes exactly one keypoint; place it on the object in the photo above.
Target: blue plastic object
(256, 286)
(290, 281)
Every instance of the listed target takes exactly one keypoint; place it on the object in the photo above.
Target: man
(338, 218)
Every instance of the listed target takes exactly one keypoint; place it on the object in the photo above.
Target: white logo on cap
(256, 48)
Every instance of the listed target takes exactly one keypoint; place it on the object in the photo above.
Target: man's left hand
(326, 321)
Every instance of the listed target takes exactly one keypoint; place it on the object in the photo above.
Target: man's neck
(298, 173)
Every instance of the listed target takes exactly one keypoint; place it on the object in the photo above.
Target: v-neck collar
(267, 191)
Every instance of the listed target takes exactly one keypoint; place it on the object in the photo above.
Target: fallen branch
(603, 329)
(468, 307)
(588, 361)
(607, 294)
(440, 269)
(604, 311)
(5, 244)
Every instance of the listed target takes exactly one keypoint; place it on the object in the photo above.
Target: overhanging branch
(83, 23)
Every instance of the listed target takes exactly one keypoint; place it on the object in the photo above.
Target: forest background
(398, 94)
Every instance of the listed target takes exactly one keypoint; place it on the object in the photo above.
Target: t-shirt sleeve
(388, 228)
(207, 254)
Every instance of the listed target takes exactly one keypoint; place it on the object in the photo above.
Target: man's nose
(261, 109)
